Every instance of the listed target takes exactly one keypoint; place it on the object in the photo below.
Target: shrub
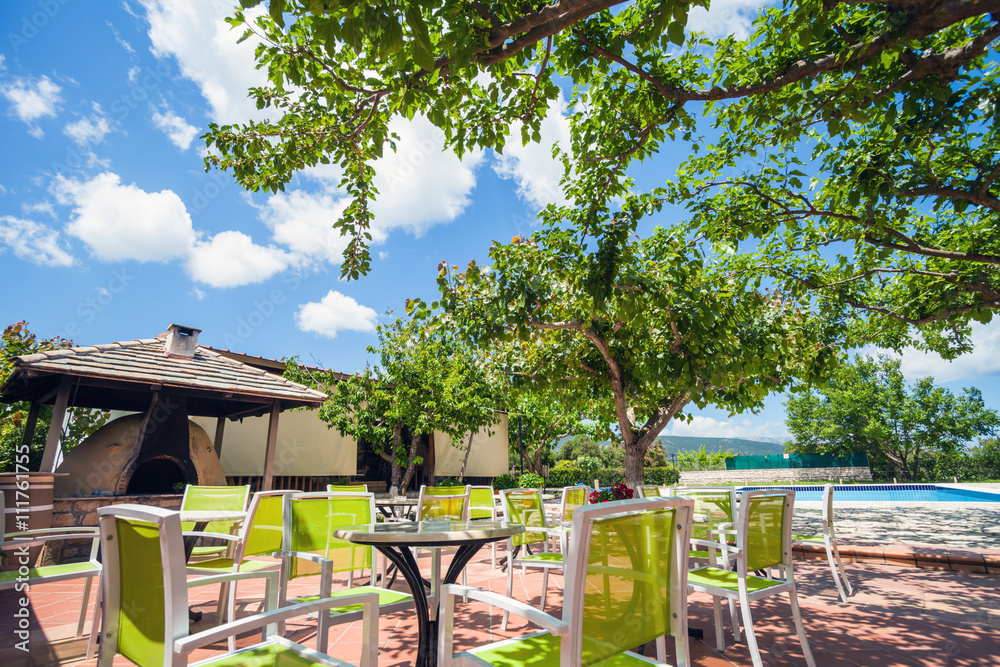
(450, 481)
(530, 480)
(616, 492)
(504, 481)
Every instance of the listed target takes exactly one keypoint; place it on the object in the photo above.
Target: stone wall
(68, 512)
(775, 476)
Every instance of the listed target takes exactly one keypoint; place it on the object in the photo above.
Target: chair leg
(838, 571)
(800, 628)
(735, 618)
(748, 631)
(83, 606)
(510, 589)
(95, 626)
(545, 586)
(720, 639)
(220, 608)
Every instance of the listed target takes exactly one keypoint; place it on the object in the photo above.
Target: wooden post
(29, 427)
(272, 445)
(220, 427)
(55, 428)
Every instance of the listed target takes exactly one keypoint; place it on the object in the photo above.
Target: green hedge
(567, 476)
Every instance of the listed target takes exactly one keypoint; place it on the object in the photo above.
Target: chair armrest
(67, 529)
(216, 536)
(211, 635)
(525, 611)
(304, 555)
(35, 540)
(720, 546)
(207, 580)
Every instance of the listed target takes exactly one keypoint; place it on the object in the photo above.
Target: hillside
(675, 443)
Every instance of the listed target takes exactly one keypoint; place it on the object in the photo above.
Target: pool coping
(983, 561)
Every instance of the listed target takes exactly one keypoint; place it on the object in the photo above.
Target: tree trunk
(414, 439)
(397, 436)
(465, 459)
(635, 455)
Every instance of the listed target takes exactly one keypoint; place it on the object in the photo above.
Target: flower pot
(27, 505)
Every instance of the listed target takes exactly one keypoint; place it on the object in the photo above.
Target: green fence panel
(757, 462)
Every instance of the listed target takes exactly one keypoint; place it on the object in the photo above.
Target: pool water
(900, 493)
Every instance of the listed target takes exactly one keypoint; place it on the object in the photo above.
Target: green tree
(868, 406)
(425, 381)
(856, 139)
(541, 419)
(642, 327)
(581, 445)
(702, 460)
(17, 341)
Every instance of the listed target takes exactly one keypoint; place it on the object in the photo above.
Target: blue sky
(110, 228)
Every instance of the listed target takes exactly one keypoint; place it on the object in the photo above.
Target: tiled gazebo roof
(122, 375)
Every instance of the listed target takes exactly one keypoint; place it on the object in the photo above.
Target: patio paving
(899, 616)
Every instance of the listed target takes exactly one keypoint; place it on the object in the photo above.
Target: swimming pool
(899, 493)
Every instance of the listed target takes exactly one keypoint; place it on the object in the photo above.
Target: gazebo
(166, 380)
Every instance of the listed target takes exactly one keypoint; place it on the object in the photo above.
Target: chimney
(181, 341)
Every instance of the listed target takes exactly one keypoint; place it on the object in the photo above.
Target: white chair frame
(570, 628)
(829, 540)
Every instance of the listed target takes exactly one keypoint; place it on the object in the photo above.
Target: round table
(395, 541)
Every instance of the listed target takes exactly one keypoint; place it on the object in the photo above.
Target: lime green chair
(714, 514)
(438, 503)
(763, 542)
(146, 601)
(259, 535)
(483, 506)
(15, 547)
(525, 506)
(626, 585)
(309, 549)
(649, 491)
(347, 488)
(828, 538)
(213, 498)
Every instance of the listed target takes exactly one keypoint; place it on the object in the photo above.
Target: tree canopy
(855, 139)
(641, 327)
(868, 406)
(425, 381)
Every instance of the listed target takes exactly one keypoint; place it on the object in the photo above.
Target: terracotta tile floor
(899, 616)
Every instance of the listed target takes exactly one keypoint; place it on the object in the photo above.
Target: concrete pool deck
(949, 535)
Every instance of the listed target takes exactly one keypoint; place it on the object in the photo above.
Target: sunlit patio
(899, 615)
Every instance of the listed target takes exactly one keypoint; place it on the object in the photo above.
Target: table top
(199, 516)
(399, 502)
(417, 533)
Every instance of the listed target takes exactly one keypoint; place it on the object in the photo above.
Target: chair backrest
(263, 530)
(310, 520)
(713, 506)
(572, 498)
(525, 506)
(215, 498)
(649, 491)
(482, 503)
(443, 502)
(145, 586)
(626, 577)
(764, 532)
(347, 488)
(828, 511)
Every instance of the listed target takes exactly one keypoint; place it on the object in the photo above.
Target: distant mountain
(673, 444)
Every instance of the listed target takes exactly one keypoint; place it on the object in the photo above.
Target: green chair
(146, 601)
(483, 505)
(309, 549)
(626, 585)
(347, 488)
(828, 538)
(525, 506)
(649, 491)
(213, 498)
(260, 535)
(437, 503)
(714, 514)
(763, 542)
(15, 547)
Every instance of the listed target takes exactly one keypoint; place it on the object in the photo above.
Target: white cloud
(726, 17)
(198, 294)
(195, 34)
(303, 222)
(231, 259)
(133, 73)
(707, 427)
(90, 130)
(122, 222)
(180, 132)
(3, 66)
(333, 313)
(34, 242)
(983, 361)
(418, 167)
(31, 99)
(532, 167)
